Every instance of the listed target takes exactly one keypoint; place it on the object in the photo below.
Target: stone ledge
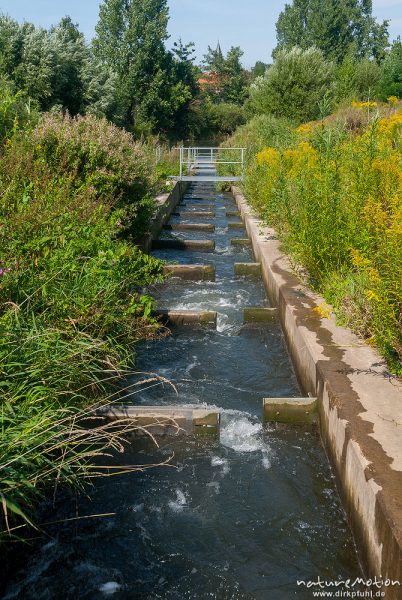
(165, 206)
(165, 420)
(360, 406)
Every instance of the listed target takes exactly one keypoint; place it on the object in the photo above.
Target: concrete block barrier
(186, 317)
(247, 269)
(177, 244)
(291, 411)
(190, 227)
(260, 315)
(191, 272)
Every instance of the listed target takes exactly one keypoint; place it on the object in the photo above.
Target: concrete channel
(251, 507)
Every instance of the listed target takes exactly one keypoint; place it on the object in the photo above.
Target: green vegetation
(84, 130)
(230, 83)
(153, 84)
(76, 193)
(338, 28)
(332, 189)
(294, 85)
(55, 68)
(390, 78)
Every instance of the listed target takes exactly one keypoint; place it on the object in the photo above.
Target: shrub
(390, 82)
(16, 110)
(294, 85)
(334, 197)
(74, 193)
(225, 118)
(357, 79)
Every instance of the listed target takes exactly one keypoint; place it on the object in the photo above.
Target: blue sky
(249, 24)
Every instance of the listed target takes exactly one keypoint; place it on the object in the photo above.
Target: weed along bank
(242, 502)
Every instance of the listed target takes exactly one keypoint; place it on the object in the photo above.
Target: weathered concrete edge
(165, 206)
(360, 408)
(164, 420)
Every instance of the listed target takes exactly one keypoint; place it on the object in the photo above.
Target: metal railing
(194, 158)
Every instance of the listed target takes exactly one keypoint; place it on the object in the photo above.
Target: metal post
(181, 163)
(242, 163)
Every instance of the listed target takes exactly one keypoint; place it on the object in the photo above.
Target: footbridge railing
(202, 163)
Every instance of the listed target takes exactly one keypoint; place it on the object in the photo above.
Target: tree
(357, 79)
(294, 85)
(390, 81)
(55, 67)
(231, 78)
(337, 27)
(130, 38)
(259, 69)
(70, 55)
(186, 72)
(234, 77)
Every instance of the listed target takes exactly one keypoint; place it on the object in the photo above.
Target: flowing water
(244, 516)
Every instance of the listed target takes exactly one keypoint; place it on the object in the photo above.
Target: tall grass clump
(334, 195)
(75, 195)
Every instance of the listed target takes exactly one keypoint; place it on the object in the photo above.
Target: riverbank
(76, 196)
(332, 191)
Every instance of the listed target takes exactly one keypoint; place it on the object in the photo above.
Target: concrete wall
(165, 206)
(359, 403)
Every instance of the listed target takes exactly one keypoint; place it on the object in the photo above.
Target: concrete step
(191, 272)
(293, 411)
(254, 314)
(186, 317)
(176, 244)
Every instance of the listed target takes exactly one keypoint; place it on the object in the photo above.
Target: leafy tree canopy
(153, 83)
(390, 82)
(337, 27)
(232, 80)
(55, 67)
(294, 86)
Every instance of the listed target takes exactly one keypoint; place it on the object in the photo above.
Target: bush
(259, 132)
(74, 192)
(390, 83)
(225, 118)
(357, 79)
(97, 157)
(294, 85)
(16, 110)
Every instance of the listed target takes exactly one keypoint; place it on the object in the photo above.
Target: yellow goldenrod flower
(393, 100)
(323, 310)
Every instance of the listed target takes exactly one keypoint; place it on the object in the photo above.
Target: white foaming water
(242, 435)
(216, 461)
(180, 502)
(110, 588)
